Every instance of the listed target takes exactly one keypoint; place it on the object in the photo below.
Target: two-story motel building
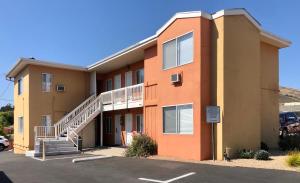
(161, 86)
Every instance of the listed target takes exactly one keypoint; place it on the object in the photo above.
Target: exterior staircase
(63, 138)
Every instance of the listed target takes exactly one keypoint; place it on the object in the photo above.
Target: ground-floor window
(20, 125)
(108, 124)
(178, 119)
(139, 123)
(46, 120)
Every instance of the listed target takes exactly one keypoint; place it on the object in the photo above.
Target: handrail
(90, 108)
(69, 137)
(62, 122)
(44, 132)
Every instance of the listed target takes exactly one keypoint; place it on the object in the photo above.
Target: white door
(128, 128)
(117, 129)
(128, 78)
(117, 81)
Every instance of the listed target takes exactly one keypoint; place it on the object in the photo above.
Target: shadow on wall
(4, 178)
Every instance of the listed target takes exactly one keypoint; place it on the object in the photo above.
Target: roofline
(133, 47)
(28, 61)
(191, 14)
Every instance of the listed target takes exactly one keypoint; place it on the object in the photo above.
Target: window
(108, 124)
(140, 76)
(20, 125)
(178, 51)
(139, 123)
(20, 86)
(178, 119)
(46, 120)
(46, 82)
(108, 85)
(117, 81)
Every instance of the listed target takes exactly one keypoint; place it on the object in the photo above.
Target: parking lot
(17, 168)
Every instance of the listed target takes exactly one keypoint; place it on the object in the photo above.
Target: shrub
(264, 146)
(290, 142)
(293, 159)
(262, 155)
(246, 154)
(141, 146)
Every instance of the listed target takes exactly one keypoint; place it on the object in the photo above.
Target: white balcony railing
(127, 97)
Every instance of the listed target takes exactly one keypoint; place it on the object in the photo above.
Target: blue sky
(82, 32)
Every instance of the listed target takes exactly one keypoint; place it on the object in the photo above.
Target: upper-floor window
(46, 82)
(108, 85)
(20, 86)
(140, 76)
(178, 51)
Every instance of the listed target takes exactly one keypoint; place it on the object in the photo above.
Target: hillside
(289, 95)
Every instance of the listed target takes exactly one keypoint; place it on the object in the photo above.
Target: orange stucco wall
(194, 89)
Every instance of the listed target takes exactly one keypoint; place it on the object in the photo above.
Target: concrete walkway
(108, 151)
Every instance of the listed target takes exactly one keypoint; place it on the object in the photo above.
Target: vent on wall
(175, 78)
(60, 88)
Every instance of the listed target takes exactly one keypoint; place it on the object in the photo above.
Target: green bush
(246, 154)
(264, 146)
(141, 146)
(293, 159)
(262, 155)
(290, 142)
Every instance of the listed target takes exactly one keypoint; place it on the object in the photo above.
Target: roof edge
(22, 62)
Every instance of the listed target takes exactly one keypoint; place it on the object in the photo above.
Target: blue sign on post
(213, 116)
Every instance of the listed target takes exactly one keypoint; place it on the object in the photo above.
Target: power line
(5, 90)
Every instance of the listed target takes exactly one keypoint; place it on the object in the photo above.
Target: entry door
(117, 81)
(117, 129)
(128, 78)
(128, 128)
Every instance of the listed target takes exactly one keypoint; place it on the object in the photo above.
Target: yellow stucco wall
(244, 85)
(57, 104)
(269, 92)
(21, 103)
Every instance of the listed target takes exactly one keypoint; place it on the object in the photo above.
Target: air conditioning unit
(175, 78)
(60, 88)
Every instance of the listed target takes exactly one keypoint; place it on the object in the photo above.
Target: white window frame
(108, 126)
(177, 122)
(20, 130)
(46, 89)
(142, 123)
(48, 116)
(106, 84)
(136, 75)
(177, 50)
(20, 86)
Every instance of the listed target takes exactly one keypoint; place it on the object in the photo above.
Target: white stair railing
(61, 125)
(88, 110)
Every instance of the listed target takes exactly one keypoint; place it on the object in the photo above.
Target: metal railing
(44, 132)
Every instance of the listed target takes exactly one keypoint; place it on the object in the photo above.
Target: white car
(4, 143)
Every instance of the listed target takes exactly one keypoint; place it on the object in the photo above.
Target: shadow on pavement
(4, 178)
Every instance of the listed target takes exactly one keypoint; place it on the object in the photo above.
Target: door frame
(128, 133)
(128, 73)
(118, 129)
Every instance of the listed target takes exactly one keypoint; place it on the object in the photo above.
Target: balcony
(123, 98)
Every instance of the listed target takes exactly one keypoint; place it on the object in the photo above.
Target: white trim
(271, 36)
(236, 12)
(179, 15)
(131, 48)
(23, 62)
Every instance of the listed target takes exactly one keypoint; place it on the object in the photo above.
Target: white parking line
(67, 157)
(168, 181)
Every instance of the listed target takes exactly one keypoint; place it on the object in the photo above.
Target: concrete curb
(76, 160)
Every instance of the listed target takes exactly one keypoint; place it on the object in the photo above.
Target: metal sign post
(213, 116)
